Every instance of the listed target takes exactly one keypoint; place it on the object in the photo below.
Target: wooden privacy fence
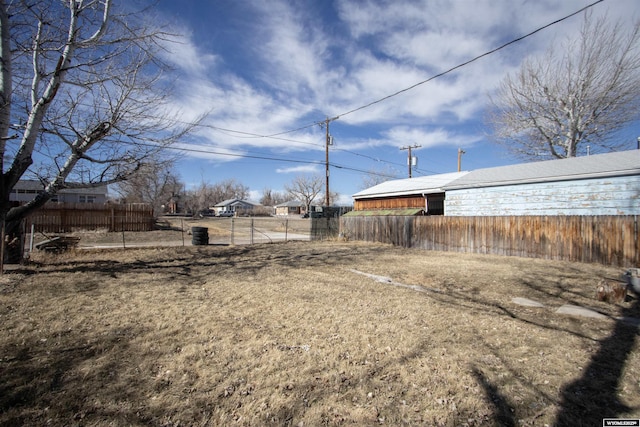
(66, 217)
(609, 240)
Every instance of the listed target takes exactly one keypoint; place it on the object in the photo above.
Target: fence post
(251, 231)
(124, 245)
(286, 229)
(232, 229)
(33, 229)
(182, 230)
(2, 233)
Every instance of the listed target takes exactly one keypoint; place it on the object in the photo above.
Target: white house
(26, 190)
(237, 206)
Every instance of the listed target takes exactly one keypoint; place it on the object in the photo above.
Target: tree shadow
(41, 384)
(593, 397)
(202, 261)
(500, 403)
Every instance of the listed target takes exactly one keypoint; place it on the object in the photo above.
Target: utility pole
(460, 153)
(328, 142)
(410, 158)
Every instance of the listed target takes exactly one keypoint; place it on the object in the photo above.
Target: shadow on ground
(594, 396)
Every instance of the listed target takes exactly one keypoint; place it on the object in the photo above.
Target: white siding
(598, 196)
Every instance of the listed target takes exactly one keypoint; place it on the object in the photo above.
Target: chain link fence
(184, 231)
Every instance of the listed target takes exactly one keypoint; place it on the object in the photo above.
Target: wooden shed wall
(404, 202)
(599, 196)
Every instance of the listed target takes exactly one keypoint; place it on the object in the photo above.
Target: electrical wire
(251, 156)
(444, 73)
(290, 160)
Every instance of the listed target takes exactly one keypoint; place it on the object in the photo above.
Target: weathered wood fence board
(609, 240)
(66, 217)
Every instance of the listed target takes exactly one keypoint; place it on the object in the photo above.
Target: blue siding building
(603, 184)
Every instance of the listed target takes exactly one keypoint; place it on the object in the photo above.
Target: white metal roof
(419, 185)
(620, 163)
(234, 202)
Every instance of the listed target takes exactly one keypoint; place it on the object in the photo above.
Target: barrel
(199, 236)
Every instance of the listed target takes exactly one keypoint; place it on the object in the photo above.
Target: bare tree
(82, 96)
(375, 177)
(208, 195)
(200, 199)
(229, 189)
(272, 198)
(333, 197)
(155, 182)
(305, 189)
(556, 105)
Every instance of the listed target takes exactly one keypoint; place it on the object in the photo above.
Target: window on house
(83, 198)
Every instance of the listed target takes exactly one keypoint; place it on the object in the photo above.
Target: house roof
(291, 203)
(234, 202)
(620, 163)
(419, 185)
(387, 212)
(34, 185)
(227, 202)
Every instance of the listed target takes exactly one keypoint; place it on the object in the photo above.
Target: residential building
(26, 190)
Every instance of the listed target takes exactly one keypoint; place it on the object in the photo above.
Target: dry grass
(287, 334)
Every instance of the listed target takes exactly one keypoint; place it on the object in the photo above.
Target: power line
(471, 60)
(252, 156)
(276, 135)
(254, 135)
(450, 70)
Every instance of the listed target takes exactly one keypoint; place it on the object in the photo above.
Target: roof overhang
(418, 186)
(386, 212)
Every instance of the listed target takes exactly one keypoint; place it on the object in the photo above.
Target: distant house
(602, 184)
(292, 207)
(237, 206)
(174, 206)
(26, 190)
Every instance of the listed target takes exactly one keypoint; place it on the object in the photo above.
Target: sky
(268, 74)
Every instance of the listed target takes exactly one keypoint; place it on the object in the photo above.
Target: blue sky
(278, 67)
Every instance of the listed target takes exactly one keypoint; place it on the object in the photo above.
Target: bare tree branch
(305, 189)
(556, 105)
(85, 79)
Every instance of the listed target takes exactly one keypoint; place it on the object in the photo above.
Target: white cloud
(304, 169)
(406, 135)
(300, 70)
(209, 152)
(182, 52)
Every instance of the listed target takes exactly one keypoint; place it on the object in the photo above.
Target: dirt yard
(304, 334)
